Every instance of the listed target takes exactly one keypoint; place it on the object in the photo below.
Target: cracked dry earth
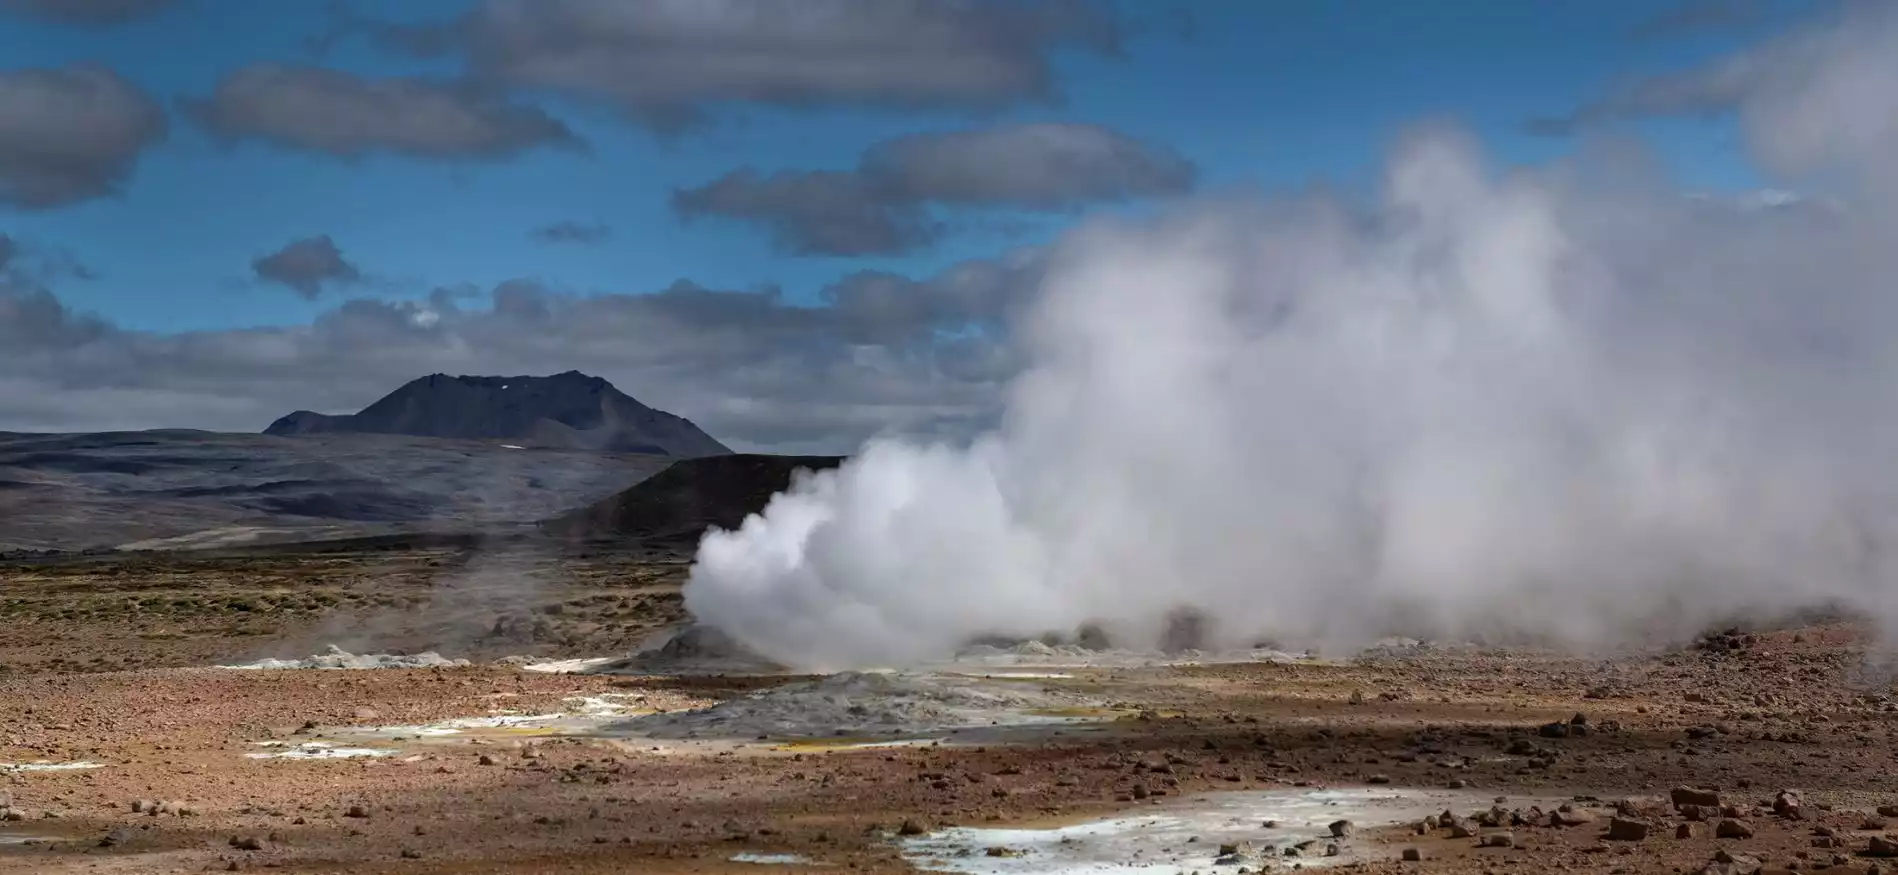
(1663, 762)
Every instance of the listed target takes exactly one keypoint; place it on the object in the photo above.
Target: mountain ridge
(569, 410)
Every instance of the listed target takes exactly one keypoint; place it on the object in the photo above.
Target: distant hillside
(685, 499)
(570, 410)
(169, 489)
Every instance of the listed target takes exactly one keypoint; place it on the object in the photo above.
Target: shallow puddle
(772, 859)
(1186, 836)
(584, 715)
(314, 750)
(44, 766)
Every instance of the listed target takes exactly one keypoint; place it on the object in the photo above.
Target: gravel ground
(1730, 725)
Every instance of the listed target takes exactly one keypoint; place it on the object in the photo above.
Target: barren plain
(128, 749)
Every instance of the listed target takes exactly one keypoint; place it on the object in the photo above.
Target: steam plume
(1569, 404)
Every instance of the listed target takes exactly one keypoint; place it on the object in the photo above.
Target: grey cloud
(1811, 100)
(1700, 15)
(814, 212)
(71, 134)
(752, 367)
(305, 266)
(1046, 166)
(569, 231)
(339, 114)
(87, 13)
(667, 63)
(31, 318)
(886, 204)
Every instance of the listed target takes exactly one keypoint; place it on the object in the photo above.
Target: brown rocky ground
(96, 655)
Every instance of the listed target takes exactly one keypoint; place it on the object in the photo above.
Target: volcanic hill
(569, 410)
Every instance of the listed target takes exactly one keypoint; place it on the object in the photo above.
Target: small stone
(1622, 829)
(1572, 817)
(1499, 840)
(1732, 829)
(1685, 831)
(356, 811)
(1685, 796)
(1340, 828)
(911, 828)
(411, 854)
(1413, 855)
(367, 714)
(247, 843)
(1882, 847)
(486, 760)
(1332, 850)
(1378, 779)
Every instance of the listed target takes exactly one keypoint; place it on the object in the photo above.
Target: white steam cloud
(1569, 404)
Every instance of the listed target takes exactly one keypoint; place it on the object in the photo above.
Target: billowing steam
(1573, 404)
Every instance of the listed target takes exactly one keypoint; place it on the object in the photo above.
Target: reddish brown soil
(1785, 710)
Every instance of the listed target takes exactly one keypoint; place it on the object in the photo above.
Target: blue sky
(1274, 94)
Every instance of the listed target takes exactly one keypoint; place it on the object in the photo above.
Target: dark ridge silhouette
(570, 411)
(688, 497)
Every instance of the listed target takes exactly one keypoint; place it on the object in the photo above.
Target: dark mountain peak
(569, 409)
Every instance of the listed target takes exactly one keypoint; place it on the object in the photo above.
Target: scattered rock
(247, 843)
(1728, 863)
(1787, 804)
(1412, 855)
(1685, 796)
(1499, 840)
(1622, 829)
(1567, 816)
(1882, 847)
(1340, 828)
(1732, 829)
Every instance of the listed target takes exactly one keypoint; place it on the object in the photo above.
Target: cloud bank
(1567, 405)
(761, 372)
(889, 203)
(667, 63)
(342, 115)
